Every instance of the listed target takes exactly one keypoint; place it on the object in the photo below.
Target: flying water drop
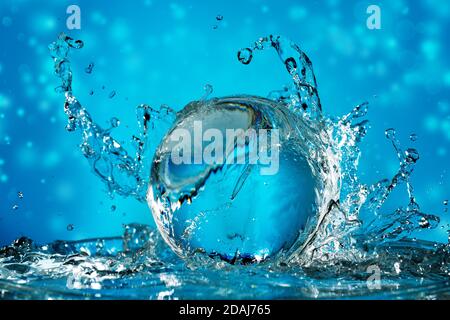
(245, 55)
(115, 122)
(89, 68)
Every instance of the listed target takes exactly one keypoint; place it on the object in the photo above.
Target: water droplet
(112, 94)
(20, 195)
(390, 133)
(89, 68)
(77, 44)
(115, 122)
(360, 110)
(412, 155)
(245, 56)
(219, 17)
(70, 227)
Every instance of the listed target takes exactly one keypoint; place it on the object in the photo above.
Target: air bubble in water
(112, 94)
(413, 137)
(15, 207)
(219, 17)
(20, 195)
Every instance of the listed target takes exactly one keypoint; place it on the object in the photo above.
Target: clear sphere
(234, 210)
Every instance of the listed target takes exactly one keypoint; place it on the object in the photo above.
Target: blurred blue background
(164, 52)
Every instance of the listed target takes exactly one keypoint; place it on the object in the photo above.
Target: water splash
(138, 265)
(121, 172)
(303, 95)
(340, 233)
(353, 229)
(332, 148)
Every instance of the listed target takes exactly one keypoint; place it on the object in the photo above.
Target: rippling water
(353, 247)
(140, 265)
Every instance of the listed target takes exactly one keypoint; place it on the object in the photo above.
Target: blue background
(164, 52)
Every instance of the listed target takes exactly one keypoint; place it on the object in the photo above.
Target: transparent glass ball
(234, 209)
